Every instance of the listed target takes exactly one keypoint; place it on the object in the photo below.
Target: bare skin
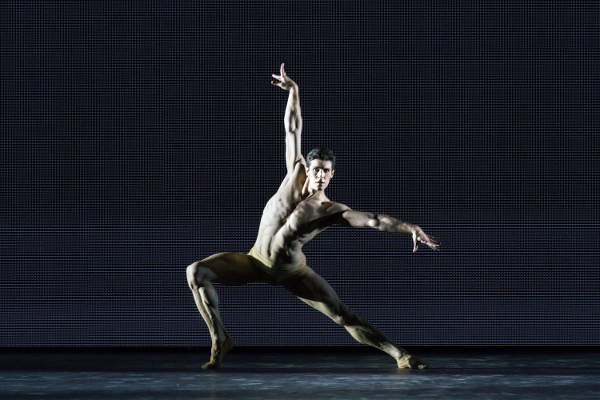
(292, 217)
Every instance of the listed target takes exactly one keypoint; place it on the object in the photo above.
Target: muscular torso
(292, 217)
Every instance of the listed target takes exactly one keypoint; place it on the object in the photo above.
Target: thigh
(315, 291)
(230, 269)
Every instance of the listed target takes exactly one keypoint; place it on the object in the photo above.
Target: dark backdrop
(138, 137)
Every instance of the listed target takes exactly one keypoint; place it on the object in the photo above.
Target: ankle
(221, 340)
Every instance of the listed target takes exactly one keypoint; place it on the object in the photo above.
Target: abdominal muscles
(280, 237)
(273, 223)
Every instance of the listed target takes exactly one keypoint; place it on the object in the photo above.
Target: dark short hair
(321, 154)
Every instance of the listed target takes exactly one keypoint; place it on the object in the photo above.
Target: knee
(196, 274)
(190, 273)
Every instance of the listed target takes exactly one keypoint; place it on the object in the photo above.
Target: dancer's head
(320, 168)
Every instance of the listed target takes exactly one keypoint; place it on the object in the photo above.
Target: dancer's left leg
(316, 292)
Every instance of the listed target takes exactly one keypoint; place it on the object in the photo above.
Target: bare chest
(306, 220)
(303, 213)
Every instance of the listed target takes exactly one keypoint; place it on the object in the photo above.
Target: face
(319, 174)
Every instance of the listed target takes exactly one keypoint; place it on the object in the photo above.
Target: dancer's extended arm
(388, 224)
(292, 121)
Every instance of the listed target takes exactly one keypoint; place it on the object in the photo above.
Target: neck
(317, 194)
(308, 191)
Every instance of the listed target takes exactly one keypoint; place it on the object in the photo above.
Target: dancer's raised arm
(292, 121)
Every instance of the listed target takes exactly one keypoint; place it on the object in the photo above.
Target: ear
(332, 172)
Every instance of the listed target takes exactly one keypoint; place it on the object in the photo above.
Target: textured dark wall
(138, 137)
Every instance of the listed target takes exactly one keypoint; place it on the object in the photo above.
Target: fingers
(434, 239)
(281, 78)
(430, 241)
(434, 243)
(415, 242)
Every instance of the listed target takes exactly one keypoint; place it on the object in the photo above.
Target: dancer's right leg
(228, 269)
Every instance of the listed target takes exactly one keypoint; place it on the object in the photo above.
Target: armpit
(299, 163)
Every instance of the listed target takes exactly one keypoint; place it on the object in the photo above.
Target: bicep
(358, 219)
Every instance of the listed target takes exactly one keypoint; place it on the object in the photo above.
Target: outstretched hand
(420, 237)
(283, 81)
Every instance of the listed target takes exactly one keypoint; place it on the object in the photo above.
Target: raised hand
(283, 81)
(420, 237)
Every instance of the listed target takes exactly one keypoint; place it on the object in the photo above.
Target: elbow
(373, 221)
(381, 222)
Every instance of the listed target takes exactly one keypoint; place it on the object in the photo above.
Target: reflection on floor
(300, 373)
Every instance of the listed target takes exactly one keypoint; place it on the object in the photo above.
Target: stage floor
(300, 373)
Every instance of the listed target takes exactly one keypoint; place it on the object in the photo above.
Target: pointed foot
(410, 362)
(219, 353)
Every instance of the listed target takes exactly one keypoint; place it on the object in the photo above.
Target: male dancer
(292, 217)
